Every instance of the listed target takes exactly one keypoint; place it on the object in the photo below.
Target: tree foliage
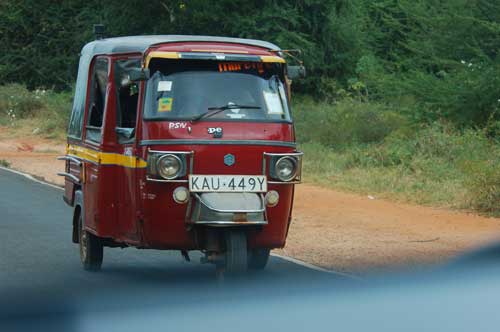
(441, 55)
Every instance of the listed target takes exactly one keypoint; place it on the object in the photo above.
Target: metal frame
(165, 180)
(226, 222)
(212, 142)
(71, 176)
(190, 171)
(229, 223)
(70, 158)
(262, 201)
(299, 166)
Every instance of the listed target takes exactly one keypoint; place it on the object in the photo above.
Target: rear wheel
(91, 250)
(258, 259)
(236, 257)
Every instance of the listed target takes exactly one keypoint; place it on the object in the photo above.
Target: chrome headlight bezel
(295, 158)
(154, 167)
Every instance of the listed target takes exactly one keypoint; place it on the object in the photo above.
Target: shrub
(50, 110)
(344, 123)
(17, 102)
(434, 164)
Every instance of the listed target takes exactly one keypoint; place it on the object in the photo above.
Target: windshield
(241, 91)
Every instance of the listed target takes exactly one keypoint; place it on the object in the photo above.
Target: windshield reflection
(188, 92)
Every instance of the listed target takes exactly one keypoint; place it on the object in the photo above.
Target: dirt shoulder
(335, 230)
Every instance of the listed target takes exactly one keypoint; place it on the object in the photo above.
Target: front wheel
(91, 249)
(236, 257)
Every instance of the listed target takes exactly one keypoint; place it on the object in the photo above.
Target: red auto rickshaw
(182, 143)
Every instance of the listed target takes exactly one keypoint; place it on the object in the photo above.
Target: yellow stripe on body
(220, 51)
(162, 55)
(176, 55)
(272, 58)
(105, 158)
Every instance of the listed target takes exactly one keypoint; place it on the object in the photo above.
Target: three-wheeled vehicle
(182, 143)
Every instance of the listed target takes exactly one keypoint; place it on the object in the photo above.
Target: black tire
(258, 259)
(236, 261)
(91, 249)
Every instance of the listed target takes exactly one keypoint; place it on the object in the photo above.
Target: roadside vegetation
(4, 163)
(402, 98)
(350, 144)
(370, 148)
(40, 112)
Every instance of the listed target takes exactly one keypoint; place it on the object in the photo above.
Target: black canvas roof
(139, 44)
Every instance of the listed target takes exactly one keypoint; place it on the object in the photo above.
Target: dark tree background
(442, 55)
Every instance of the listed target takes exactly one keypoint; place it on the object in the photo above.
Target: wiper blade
(233, 106)
(218, 109)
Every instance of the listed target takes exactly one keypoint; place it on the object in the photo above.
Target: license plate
(228, 183)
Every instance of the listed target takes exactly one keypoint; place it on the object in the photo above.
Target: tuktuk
(182, 143)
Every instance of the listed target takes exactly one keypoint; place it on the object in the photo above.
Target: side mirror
(296, 72)
(139, 74)
(125, 132)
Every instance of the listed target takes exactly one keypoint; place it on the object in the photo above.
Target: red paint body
(120, 204)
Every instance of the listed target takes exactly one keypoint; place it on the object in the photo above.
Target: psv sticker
(165, 104)
(177, 125)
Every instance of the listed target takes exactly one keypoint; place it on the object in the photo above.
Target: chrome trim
(191, 161)
(70, 158)
(284, 154)
(188, 209)
(229, 223)
(263, 204)
(216, 142)
(170, 152)
(298, 176)
(86, 160)
(164, 180)
(71, 176)
(217, 56)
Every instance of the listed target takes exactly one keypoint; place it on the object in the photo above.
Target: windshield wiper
(215, 110)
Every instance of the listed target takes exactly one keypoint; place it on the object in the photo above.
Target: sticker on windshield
(235, 114)
(164, 86)
(165, 104)
(273, 103)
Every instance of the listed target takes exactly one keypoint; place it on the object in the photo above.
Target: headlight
(286, 168)
(169, 166)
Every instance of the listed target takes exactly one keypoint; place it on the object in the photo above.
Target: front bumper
(228, 209)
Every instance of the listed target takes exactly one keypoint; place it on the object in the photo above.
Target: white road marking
(286, 258)
(315, 267)
(30, 177)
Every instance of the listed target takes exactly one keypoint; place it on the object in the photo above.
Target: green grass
(350, 145)
(433, 164)
(4, 163)
(44, 111)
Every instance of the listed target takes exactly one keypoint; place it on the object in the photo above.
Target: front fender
(79, 210)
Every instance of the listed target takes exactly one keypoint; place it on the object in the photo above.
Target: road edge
(286, 258)
(31, 177)
(315, 267)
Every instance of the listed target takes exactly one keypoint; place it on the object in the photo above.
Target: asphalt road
(38, 257)
(42, 286)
